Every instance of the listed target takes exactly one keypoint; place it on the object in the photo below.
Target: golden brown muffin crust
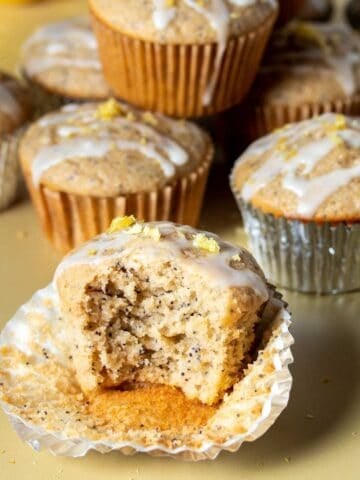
(127, 151)
(308, 170)
(308, 63)
(135, 18)
(63, 58)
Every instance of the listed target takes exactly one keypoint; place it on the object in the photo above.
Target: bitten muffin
(154, 338)
(14, 112)
(309, 69)
(183, 57)
(85, 164)
(299, 191)
(60, 63)
(134, 301)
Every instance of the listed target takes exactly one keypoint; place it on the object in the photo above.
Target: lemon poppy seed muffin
(14, 112)
(183, 57)
(309, 68)
(60, 62)
(161, 304)
(299, 191)
(93, 161)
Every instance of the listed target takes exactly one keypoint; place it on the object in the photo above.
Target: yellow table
(316, 438)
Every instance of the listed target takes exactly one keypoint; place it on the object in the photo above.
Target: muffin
(153, 337)
(14, 112)
(309, 69)
(61, 65)
(288, 9)
(299, 193)
(85, 164)
(182, 58)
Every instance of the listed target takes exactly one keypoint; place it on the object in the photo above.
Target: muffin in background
(289, 9)
(299, 193)
(183, 58)
(309, 69)
(86, 164)
(60, 64)
(14, 112)
(317, 10)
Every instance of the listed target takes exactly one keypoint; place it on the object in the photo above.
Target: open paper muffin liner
(9, 168)
(172, 79)
(40, 395)
(260, 120)
(288, 9)
(308, 256)
(70, 219)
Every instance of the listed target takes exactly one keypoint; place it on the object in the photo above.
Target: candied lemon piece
(109, 110)
(120, 223)
(206, 243)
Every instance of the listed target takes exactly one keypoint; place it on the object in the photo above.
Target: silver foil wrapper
(304, 256)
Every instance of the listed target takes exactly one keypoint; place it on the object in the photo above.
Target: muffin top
(183, 21)
(109, 149)
(63, 57)
(309, 62)
(307, 170)
(14, 104)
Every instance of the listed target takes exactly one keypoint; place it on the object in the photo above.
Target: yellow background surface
(316, 438)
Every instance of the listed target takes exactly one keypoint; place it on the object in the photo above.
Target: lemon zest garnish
(120, 223)
(340, 122)
(135, 229)
(148, 117)
(143, 140)
(109, 110)
(206, 243)
(92, 252)
(170, 3)
(236, 258)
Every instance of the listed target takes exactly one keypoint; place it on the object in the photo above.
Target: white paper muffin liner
(308, 257)
(9, 168)
(36, 331)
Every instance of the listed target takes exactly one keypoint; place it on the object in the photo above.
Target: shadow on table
(326, 379)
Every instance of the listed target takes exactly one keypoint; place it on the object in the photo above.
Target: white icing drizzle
(87, 147)
(95, 140)
(162, 14)
(217, 14)
(217, 266)
(319, 188)
(342, 59)
(310, 192)
(55, 47)
(8, 103)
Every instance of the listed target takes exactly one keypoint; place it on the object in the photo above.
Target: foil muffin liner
(308, 257)
(172, 79)
(261, 120)
(69, 219)
(9, 168)
(33, 349)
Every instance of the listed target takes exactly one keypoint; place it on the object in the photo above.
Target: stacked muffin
(99, 157)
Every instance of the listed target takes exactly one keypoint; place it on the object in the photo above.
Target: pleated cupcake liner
(172, 79)
(10, 177)
(308, 257)
(289, 9)
(70, 219)
(257, 121)
(246, 413)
